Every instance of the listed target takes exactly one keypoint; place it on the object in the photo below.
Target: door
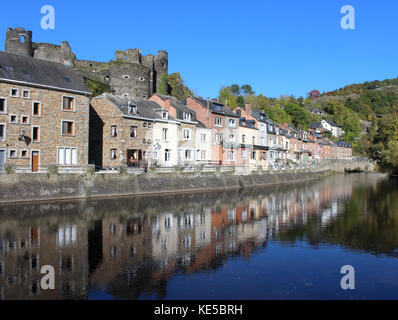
(2, 159)
(35, 161)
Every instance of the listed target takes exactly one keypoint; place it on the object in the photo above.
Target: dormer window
(165, 115)
(232, 123)
(132, 109)
(187, 116)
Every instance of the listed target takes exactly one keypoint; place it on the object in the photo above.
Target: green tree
(247, 90)
(235, 88)
(300, 116)
(227, 97)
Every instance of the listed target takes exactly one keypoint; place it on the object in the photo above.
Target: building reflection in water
(130, 247)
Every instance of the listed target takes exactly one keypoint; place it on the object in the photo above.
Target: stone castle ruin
(130, 74)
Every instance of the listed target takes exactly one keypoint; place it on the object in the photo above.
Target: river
(277, 242)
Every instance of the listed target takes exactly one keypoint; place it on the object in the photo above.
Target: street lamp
(21, 135)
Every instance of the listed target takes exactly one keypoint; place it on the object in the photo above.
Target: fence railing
(191, 168)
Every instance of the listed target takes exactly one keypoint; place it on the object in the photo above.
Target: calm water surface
(283, 242)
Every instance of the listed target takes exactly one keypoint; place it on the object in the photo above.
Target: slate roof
(257, 115)
(35, 72)
(315, 125)
(178, 105)
(224, 111)
(146, 109)
(343, 144)
(333, 124)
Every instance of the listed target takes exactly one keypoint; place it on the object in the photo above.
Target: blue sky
(277, 46)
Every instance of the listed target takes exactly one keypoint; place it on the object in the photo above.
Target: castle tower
(161, 65)
(19, 41)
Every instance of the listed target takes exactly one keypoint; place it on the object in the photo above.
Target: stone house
(131, 132)
(121, 131)
(44, 115)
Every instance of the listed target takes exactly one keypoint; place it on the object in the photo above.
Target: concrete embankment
(44, 187)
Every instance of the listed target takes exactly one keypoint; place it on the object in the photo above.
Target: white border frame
(9, 118)
(37, 141)
(6, 105)
(21, 121)
(74, 103)
(9, 153)
(74, 128)
(77, 156)
(17, 96)
(38, 171)
(27, 154)
(3, 139)
(22, 96)
(33, 109)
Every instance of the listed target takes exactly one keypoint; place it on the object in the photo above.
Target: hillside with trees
(367, 112)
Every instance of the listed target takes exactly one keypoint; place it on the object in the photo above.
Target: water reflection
(130, 248)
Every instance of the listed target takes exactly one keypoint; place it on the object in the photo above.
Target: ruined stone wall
(131, 73)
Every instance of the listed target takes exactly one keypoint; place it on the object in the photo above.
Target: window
(113, 154)
(217, 121)
(132, 110)
(68, 104)
(243, 138)
(126, 76)
(12, 154)
(14, 93)
(232, 123)
(24, 154)
(203, 137)
(203, 154)
(26, 94)
(188, 154)
(186, 134)
(253, 155)
(133, 132)
(244, 154)
(164, 115)
(164, 134)
(253, 140)
(67, 156)
(3, 105)
(13, 118)
(68, 128)
(231, 155)
(231, 138)
(167, 155)
(35, 134)
(218, 138)
(2, 131)
(36, 109)
(113, 131)
(25, 119)
(187, 116)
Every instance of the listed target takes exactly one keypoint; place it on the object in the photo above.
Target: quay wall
(29, 187)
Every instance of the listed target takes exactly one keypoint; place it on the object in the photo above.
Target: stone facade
(20, 115)
(103, 116)
(131, 73)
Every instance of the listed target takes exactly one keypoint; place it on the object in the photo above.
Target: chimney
(248, 109)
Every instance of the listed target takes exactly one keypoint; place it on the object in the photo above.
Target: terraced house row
(48, 118)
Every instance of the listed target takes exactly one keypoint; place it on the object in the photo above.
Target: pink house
(224, 125)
